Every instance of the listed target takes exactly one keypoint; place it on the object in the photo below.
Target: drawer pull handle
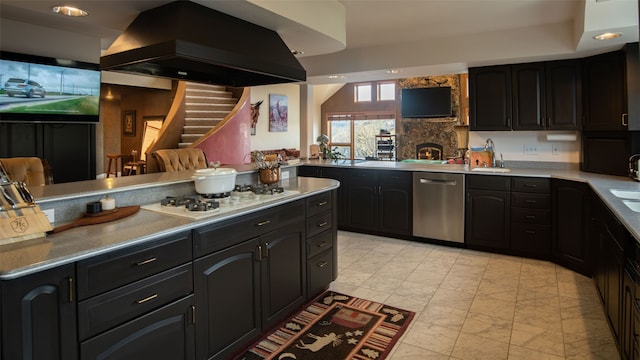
(322, 264)
(530, 232)
(148, 298)
(322, 203)
(259, 253)
(530, 216)
(262, 223)
(145, 262)
(70, 283)
(324, 223)
(530, 201)
(322, 244)
(530, 185)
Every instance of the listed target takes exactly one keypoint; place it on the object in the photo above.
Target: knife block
(25, 222)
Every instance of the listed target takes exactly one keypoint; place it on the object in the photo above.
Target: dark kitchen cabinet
(529, 109)
(490, 98)
(607, 236)
(628, 309)
(531, 216)
(570, 225)
(248, 286)
(608, 152)
(322, 238)
(605, 101)
(336, 174)
(70, 149)
(39, 316)
(380, 202)
(487, 212)
(167, 333)
(563, 94)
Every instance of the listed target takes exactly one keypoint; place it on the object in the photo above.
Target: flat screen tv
(41, 89)
(429, 102)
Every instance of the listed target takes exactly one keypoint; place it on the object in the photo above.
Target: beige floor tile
(489, 327)
(451, 298)
(489, 290)
(431, 337)
(415, 291)
(584, 348)
(460, 283)
(521, 353)
(369, 294)
(409, 352)
(443, 316)
(425, 277)
(537, 338)
(538, 316)
(491, 307)
(472, 347)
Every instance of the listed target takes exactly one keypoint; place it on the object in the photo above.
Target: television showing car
(24, 87)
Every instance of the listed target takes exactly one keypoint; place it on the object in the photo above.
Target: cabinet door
(604, 92)
(363, 210)
(529, 110)
(396, 203)
(490, 98)
(39, 316)
(488, 218)
(563, 95)
(283, 273)
(615, 267)
(20, 139)
(627, 316)
(570, 244)
(227, 287)
(341, 203)
(164, 334)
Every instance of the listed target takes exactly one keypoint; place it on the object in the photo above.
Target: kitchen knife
(7, 197)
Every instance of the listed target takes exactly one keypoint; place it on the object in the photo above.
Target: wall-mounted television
(429, 102)
(42, 89)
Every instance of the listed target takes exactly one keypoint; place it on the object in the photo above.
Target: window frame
(356, 92)
(379, 84)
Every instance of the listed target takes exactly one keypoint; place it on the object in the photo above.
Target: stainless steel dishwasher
(438, 206)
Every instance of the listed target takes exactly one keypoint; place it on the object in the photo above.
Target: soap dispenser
(634, 167)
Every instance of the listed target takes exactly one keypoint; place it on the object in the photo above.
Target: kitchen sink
(626, 194)
(491, 169)
(633, 205)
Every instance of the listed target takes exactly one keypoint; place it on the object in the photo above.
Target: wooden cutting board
(102, 217)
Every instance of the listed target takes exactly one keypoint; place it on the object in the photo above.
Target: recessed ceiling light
(69, 11)
(394, 71)
(297, 52)
(607, 36)
(336, 77)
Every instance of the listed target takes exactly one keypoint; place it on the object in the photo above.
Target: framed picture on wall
(129, 123)
(278, 113)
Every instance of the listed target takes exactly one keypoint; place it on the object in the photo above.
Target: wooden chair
(180, 159)
(114, 159)
(31, 170)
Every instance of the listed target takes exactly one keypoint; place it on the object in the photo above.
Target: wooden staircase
(205, 106)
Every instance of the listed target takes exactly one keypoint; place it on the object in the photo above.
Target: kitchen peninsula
(192, 288)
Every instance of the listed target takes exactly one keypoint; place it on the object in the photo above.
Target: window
(362, 92)
(386, 91)
(353, 135)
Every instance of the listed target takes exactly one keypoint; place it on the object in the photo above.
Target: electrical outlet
(530, 149)
(555, 149)
(50, 214)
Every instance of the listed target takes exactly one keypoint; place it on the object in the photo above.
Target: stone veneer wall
(411, 132)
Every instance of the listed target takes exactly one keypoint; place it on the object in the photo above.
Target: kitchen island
(164, 286)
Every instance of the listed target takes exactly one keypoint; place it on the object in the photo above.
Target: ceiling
(360, 40)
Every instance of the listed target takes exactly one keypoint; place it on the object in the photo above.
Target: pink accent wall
(231, 144)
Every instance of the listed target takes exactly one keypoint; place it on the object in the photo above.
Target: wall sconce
(109, 95)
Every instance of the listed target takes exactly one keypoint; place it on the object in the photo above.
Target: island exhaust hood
(187, 41)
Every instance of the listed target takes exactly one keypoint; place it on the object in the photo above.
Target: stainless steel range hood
(185, 40)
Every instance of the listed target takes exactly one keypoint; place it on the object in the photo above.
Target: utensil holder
(269, 176)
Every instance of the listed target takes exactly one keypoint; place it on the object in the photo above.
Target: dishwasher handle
(438, 182)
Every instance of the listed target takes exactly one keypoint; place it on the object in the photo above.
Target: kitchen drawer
(531, 216)
(106, 272)
(319, 223)
(531, 201)
(488, 182)
(319, 203)
(166, 333)
(532, 185)
(215, 237)
(531, 239)
(118, 306)
(319, 272)
(319, 243)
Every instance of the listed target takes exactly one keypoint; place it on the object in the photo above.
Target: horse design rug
(335, 326)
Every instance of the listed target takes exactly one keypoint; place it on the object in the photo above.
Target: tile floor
(476, 305)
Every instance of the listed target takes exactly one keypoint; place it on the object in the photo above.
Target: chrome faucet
(488, 143)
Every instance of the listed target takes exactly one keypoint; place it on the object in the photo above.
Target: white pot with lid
(214, 180)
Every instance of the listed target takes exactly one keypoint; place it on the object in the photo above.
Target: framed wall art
(278, 113)
(129, 122)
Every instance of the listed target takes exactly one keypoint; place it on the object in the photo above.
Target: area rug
(335, 326)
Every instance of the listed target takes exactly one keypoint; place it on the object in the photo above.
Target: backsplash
(411, 132)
